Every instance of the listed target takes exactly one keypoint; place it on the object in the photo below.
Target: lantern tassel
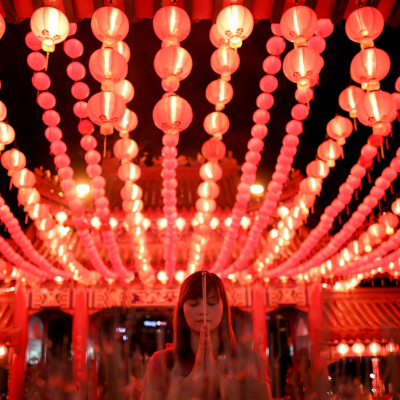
(377, 156)
(391, 189)
(355, 124)
(398, 116)
(380, 206)
(382, 152)
(360, 185)
(312, 209)
(369, 177)
(47, 62)
(356, 194)
(387, 143)
(340, 219)
(10, 184)
(105, 146)
(347, 209)
(26, 218)
(308, 102)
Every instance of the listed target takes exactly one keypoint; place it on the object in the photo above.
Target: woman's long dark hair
(192, 289)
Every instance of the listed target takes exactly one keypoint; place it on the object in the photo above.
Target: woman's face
(193, 311)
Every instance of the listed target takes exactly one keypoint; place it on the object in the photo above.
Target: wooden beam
(130, 10)
(157, 5)
(248, 4)
(37, 4)
(311, 3)
(69, 10)
(97, 4)
(11, 13)
(394, 17)
(277, 11)
(338, 11)
(188, 7)
(216, 9)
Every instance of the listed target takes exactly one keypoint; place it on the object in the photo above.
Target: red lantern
(304, 200)
(23, 179)
(80, 109)
(324, 27)
(41, 81)
(235, 23)
(213, 149)
(76, 71)
(128, 122)
(376, 233)
(300, 65)
(106, 109)
(389, 222)
(125, 89)
(28, 197)
(210, 172)
(311, 186)
(375, 109)
(172, 114)
(298, 24)
(369, 67)
(364, 25)
(13, 160)
(208, 190)
(80, 90)
(7, 135)
(171, 24)
(272, 65)
(131, 193)
(349, 99)
(225, 62)
(219, 93)
(108, 67)
(36, 61)
(339, 128)
(206, 205)
(276, 45)
(216, 123)
(317, 169)
(174, 64)
(88, 142)
(395, 206)
(50, 26)
(85, 127)
(126, 149)
(216, 39)
(317, 43)
(129, 172)
(329, 151)
(33, 42)
(39, 211)
(123, 49)
(73, 48)
(365, 243)
(111, 23)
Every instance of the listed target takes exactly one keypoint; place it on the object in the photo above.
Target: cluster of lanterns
(359, 349)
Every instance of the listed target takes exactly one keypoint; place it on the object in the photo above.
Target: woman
(205, 362)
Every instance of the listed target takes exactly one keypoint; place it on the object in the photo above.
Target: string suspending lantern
(298, 24)
(50, 26)
(235, 23)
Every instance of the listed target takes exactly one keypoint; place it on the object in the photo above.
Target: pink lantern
(375, 140)
(365, 242)
(259, 131)
(73, 27)
(46, 100)
(294, 127)
(300, 112)
(349, 98)
(33, 42)
(265, 101)
(329, 151)
(210, 172)
(73, 48)
(272, 65)
(389, 222)
(172, 114)
(317, 43)
(126, 149)
(235, 23)
(36, 61)
(80, 90)
(317, 169)
(92, 157)
(50, 26)
(125, 90)
(304, 96)
(51, 118)
(129, 172)
(171, 24)
(369, 67)
(174, 64)
(108, 67)
(39, 211)
(339, 128)
(375, 109)
(41, 81)
(395, 205)
(298, 24)
(13, 160)
(276, 45)
(93, 170)
(311, 186)
(7, 135)
(58, 147)
(85, 127)
(216, 123)
(76, 71)
(131, 193)
(225, 62)
(23, 179)
(80, 109)
(123, 49)
(128, 122)
(268, 83)
(106, 109)
(213, 150)
(261, 117)
(376, 233)
(208, 190)
(219, 93)
(28, 197)
(300, 65)
(109, 23)
(304, 200)
(88, 143)
(45, 224)
(364, 25)
(324, 27)
(206, 205)
(216, 39)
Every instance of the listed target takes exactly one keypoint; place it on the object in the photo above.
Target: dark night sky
(25, 115)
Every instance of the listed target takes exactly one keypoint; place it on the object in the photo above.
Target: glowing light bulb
(82, 190)
(257, 189)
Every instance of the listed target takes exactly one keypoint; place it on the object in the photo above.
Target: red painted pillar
(260, 334)
(315, 325)
(80, 330)
(21, 322)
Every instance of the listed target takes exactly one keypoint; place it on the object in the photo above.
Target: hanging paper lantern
(339, 128)
(376, 232)
(23, 179)
(317, 43)
(108, 67)
(28, 197)
(375, 109)
(342, 349)
(80, 90)
(109, 23)
(329, 151)
(276, 45)
(216, 123)
(365, 242)
(174, 64)
(73, 48)
(45, 224)
(126, 149)
(210, 172)
(298, 24)
(13, 160)
(225, 62)
(123, 49)
(127, 123)
(395, 205)
(171, 24)
(106, 109)
(304, 200)
(300, 65)
(219, 93)
(206, 205)
(33, 42)
(213, 149)
(172, 114)
(50, 26)
(131, 193)
(389, 222)
(217, 40)
(235, 23)
(129, 172)
(349, 98)
(125, 89)
(7, 135)
(76, 71)
(46, 100)
(369, 67)
(364, 25)
(311, 186)
(317, 169)
(41, 81)
(39, 211)
(85, 127)
(208, 190)
(272, 65)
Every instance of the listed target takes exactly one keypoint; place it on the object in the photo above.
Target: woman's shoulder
(160, 358)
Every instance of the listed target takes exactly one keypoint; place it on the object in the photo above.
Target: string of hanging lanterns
(172, 114)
